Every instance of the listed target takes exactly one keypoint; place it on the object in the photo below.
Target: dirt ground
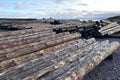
(108, 69)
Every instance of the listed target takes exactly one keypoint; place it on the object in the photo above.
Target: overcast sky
(59, 9)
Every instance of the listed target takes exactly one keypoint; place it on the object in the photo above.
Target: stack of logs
(110, 29)
(43, 55)
(88, 29)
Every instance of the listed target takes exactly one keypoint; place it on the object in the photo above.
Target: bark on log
(68, 61)
(112, 31)
(56, 54)
(37, 46)
(27, 40)
(87, 63)
(20, 32)
(82, 53)
(25, 35)
(31, 39)
(39, 54)
(19, 44)
(108, 26)
(61, 62)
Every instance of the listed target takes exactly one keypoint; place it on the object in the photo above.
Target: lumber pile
(44, 55)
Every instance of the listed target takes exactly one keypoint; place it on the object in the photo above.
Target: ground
(108, 69)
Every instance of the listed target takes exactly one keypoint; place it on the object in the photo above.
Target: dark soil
(108, 69)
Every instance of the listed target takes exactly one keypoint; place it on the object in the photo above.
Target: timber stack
(37, 54)
(14, 24)
(102, 29)
(110, 29)
(91, 29)
(88, 29)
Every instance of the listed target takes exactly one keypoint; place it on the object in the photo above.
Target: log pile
(92, 29)
(44, 55)
(68, 25)
(20, 24)
(88, 29)
(110, 29)
(23, 32)
(101, 29)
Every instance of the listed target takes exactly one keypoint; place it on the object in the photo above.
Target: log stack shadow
(37, 54)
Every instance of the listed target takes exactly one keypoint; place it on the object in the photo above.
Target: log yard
(59, 39)
(50, 49)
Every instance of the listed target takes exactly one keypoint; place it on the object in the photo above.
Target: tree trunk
(24, 36)
(53, 57)
(108, 26)
(39, 54)
(22, 50)
(89, 62)
(13, 33)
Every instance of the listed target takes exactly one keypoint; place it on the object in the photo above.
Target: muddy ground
(108, 69)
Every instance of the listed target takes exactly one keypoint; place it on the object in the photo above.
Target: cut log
(27, 40)
(31, 39)
(25, 35)
(110, 29)
(85, 51)
(114, 31)
(39, 54)
(87, 63)
(108, 26)
(61, 62)
(56, 54)
(13, 33)
(37, 46)
(20, 44)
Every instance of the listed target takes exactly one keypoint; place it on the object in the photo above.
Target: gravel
(108, 69)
